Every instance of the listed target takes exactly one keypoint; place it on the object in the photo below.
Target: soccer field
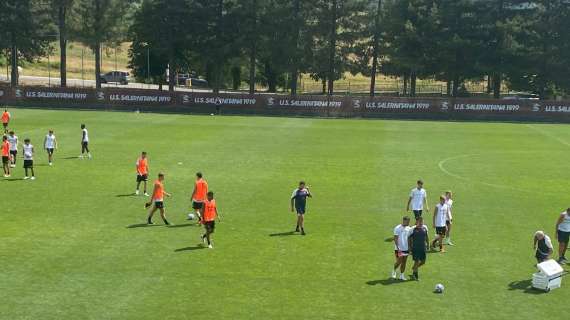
(73, 243)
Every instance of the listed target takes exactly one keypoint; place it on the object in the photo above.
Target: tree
(25, 31)
(101, 22)
(62, 8)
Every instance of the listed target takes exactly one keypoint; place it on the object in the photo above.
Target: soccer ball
(191, 216)
(439, 288)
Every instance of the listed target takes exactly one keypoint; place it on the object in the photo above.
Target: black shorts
(440, 230)
(197, 205)
(419, 255)
(142, 177)
(28, 164)
(540, 257)
(563, 236)
(49, 150)
(210, 226)
(5, 159)
(418, 213)
(5, 124)
(14, 152)
(448, 222)
(300, 210)
(85, 144)
(159, 204)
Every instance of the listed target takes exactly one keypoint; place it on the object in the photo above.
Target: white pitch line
(549, 135)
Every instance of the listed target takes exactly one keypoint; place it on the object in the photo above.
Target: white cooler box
(549, 277)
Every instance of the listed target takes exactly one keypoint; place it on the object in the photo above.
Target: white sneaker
(146, 194)
(210, 246)
(403, 277)
(33, 178)
(137, 192)
(89, 156)
(50, 163)
(26, 178)
(80, 157)
(394, 275)
(6, 176)
(203, 239)
(12, 166)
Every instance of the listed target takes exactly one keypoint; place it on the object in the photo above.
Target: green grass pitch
(67, 252)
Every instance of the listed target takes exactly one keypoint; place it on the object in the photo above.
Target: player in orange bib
(199, 195)
(5, 119)
(209, 215)
(6, 156)
(157, 200)
(142, 172)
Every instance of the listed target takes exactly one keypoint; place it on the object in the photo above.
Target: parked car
(121, 77)
(197, 83)
(181, 78)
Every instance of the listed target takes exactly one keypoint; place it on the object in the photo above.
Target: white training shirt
(565, 225)
(50, 141)
(403, 232)
(418, 196)
(28, 152)
(441, 215)
(449, 203)
(86, 136)
(13, 140)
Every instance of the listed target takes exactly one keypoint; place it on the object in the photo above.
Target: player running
(6, 156)
(13, 140)
(28, 150)
(84, 142)
(299, 202)
(142, 173)
(449, 219)
(199, 195)
(439, 216)
(563, 235)
(401, 250)
(157, 200)
(543, 246)
(209, 216)
(6, 119)
(418, 198)
(50, 144)
(418, 242)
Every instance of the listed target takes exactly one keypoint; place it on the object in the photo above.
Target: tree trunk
(497, 80)
(455, 89)
(14, 61)
(271, 78)
(413, 78)
(253, 48)
(325, 85)
(296, 35)
(332, 48)
(62, 45)
(171, 74)
(405, 93)
(97, 50)
(236, 78)
(375, 50)
(219, 54)
(448, 89)
(489, 84)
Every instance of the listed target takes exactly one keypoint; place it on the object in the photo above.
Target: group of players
(543, 245)
(9, 149)
(415, 240)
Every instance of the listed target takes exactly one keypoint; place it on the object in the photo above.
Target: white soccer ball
(439, 288)
(191, 216)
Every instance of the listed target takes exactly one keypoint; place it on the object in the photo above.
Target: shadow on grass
(384, 282)
(125, 195)
(181, 225)
(12, 179)
(69, 158)
(524, 286)
(190, 248)
(142, 225)
(283, 234)
(389, 239)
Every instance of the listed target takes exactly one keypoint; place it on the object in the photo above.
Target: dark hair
(210, 193)
(161, 174)
(82, 126)
(27, 140)
(420, 182)
(419, 219)
(144, 152)
(199, 174)
(4, 137)
(11, 132)
(301, 182)
(406, 218)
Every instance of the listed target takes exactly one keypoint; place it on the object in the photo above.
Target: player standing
(6, 156)
(543, 246)
(199, 195)
(563, 235)
(299, 202)
(13, 140)
(209, 215)
(84, 142)
(449, 219)
(439, 216)
(142, 172)
(50, 144)
(157, 200)
(401, 250)
(28, 150)
(418, 198)
(418, 242)
(6, 119)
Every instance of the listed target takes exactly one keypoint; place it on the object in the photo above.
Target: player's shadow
(12, 179)
(142, 225)
(524, 286)
(69, 158)
(283, 234)
(384, 282)
(190, 248)
(125, 195)
(181, 225)
(389, 239)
